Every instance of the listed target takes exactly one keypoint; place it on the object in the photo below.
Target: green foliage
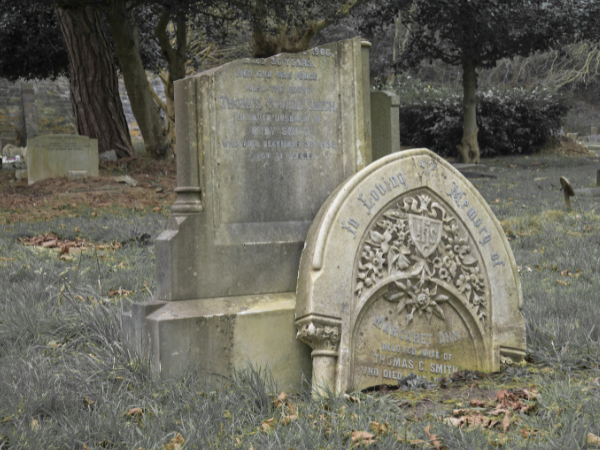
(513, 120)
(31, 42)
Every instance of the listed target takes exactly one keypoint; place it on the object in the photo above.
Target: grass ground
(65, 381)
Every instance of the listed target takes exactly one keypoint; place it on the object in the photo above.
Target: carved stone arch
(333, 256)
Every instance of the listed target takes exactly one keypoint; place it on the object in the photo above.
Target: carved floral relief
(421, 245)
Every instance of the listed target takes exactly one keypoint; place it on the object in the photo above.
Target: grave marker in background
(53, 156)
(385, 119)
(407, 270)
(261, 144)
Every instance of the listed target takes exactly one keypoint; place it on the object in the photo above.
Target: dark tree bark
(146, 111)
(469, 149)
(176, 59)
(94, 83)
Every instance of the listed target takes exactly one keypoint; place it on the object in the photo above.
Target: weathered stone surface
(385, 119)
(406, 269)
(125, 179)
(77, 174)
(21, 174)
(261, 144)
(55, 155)
(214, 336)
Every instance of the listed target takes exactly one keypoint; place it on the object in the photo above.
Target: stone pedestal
(214, 336)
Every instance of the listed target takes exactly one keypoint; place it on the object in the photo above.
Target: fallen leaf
(540, 179)
(454, 421)
(512, 166)
(506, 421)
(135, 412)
(592, 439)
(496, 201)
(120, 292)
(64, 249)
(268, 425)
(460, 412)
(87, 401)
(363, 437)
(49, 244)
(159, 189)
(526, 432)
(280, 400)
(563, 282)
(174, 444)
(285, 420)
(156, 209)
(292, 408)
(35, 425)
(433, 438)
(352, 399)
(477, 403)
(380, 428)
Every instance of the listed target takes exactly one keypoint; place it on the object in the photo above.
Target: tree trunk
(469, 149)
(145, 110)
(93, 82)
(176, 58)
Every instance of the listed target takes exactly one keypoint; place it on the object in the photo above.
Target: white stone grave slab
(53, 156)
(407, 270)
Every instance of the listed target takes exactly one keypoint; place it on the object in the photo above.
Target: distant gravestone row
(405, 269)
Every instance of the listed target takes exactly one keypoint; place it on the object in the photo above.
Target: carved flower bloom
(381, 241)
(377, 261)
(479, 303)
(463, 285)
(374, 261)
(450, 265)
(398, 257)
(476, 278)
(418, 299)
(437, 262)
(445, 275)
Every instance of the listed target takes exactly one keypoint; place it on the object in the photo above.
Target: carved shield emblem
(426, 233)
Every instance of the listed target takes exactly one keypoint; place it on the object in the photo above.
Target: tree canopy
(475, 34)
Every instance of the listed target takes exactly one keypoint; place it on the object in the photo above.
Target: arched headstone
(407, 270)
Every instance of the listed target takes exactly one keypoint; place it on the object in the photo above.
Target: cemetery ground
(70, 263)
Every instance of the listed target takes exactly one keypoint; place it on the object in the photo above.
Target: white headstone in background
(54, 156)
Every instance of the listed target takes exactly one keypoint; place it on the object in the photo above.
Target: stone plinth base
(215, 335)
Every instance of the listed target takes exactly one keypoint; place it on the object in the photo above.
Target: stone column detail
(323, 336)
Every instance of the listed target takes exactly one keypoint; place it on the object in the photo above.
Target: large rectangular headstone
(261, 143)
(406, 270)
(53, 156)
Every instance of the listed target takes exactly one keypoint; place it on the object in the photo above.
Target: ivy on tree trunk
(93, 82)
